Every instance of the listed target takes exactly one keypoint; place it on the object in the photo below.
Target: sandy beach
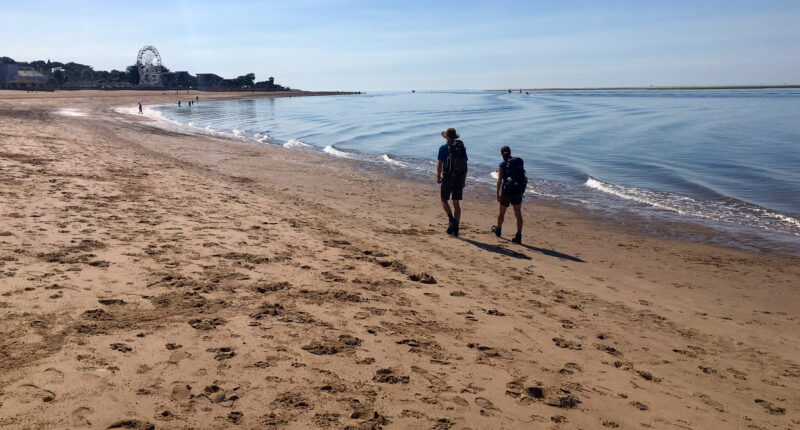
(157, 279)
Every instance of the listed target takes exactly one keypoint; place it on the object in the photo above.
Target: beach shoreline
(666, 223)
(179, 280)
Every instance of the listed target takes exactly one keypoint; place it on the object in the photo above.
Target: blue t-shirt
(443, 153)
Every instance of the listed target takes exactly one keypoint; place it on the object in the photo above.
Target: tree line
(81, 74)
(61, 73)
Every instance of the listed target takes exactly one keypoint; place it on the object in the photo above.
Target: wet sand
(154, 279)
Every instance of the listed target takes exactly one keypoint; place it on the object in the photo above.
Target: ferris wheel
(149, 63)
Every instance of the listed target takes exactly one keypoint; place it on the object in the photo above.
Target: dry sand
(153, 279)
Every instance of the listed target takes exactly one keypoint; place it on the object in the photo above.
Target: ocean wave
(393, 162)
(297, 144)
(781, 217)
(731, 211)
(640, 195)
(262, 138)
(337, 153)
(238, 133)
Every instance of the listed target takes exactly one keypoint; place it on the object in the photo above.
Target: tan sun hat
(450, 134)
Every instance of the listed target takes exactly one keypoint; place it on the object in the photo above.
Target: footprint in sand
(177, 356)
(567, 344)
(570, 368)
(132, 424)
(387, 376)
(53, 375)
(121, 347)
(181, 392)
(487, 407)
(80, 417)
(28, 393)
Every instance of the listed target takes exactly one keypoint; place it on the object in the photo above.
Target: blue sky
(402, 45)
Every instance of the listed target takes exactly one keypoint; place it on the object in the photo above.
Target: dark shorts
(506, 201)
(454, 187)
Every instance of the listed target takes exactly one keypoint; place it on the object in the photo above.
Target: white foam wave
(639, 195)
(146, 111)
(737, 213)
(296, 144)
(164, 123)
(71, 112)
(392, 161)
(494, 174)
(336, 153)
(262, 138)
(781, 217)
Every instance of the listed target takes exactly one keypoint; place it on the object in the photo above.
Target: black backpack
(456, 159)
(514, 181)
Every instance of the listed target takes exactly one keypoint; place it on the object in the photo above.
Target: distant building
(13, 76)
(208, 80)
(178, 80)
(268, 85)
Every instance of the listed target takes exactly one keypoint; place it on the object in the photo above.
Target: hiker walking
(511, 184)
(451, 172)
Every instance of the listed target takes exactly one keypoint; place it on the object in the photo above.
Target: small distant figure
(179, 103)
(140, 107)
(511, 184)
(527, 93)
(197, 98)
(451, 172)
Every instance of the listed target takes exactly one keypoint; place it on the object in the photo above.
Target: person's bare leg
(457, 207)
(518, 214)
(446, 207)
(501, 216)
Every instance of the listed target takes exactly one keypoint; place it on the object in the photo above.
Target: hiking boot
(517, 238)
(496, 230)
(455, 230)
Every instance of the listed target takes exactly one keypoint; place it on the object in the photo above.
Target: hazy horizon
(361, 46)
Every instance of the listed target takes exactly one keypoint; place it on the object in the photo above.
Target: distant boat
(509, 91)
(413, 91)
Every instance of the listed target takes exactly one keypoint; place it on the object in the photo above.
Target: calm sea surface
(727, 159)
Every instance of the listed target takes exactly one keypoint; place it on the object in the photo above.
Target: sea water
(727, 159)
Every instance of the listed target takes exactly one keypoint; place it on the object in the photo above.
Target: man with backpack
(451, 172)
(511, 184)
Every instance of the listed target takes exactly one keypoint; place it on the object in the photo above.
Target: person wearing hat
(451, 172)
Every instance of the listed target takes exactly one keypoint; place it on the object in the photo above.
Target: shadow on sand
(549, 252)
(514, 254)
(496, 249)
